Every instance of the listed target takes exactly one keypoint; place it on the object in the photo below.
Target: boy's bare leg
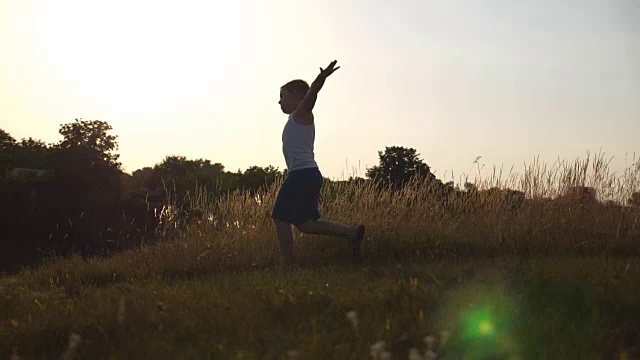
(285, 239)
(325, 227)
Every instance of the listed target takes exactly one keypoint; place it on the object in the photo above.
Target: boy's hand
(329, 70)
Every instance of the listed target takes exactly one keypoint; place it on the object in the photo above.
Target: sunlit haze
(507, 81)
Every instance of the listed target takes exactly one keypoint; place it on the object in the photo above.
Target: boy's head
(291, 94)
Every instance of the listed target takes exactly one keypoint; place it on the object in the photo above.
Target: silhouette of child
(297, 200)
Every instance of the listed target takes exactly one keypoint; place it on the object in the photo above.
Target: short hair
(296, 87)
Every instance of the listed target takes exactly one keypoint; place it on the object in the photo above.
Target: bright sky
(504, 80)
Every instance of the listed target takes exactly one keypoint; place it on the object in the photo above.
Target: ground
(477, 308)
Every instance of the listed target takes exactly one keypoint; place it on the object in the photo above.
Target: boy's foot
(357, 243)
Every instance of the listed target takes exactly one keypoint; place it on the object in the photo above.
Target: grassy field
(468, 277)
(504, 308)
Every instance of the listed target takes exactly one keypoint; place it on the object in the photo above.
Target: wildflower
(413, 283)
(74, 341)
(444, 337)
(429, 340)
(414, 354)
(15, 355)
(430, 355)
(386, 355)
(377, 349)
(160, 306)
(353, 319)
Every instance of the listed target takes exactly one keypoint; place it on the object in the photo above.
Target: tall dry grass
(541, 214)
(553, 213)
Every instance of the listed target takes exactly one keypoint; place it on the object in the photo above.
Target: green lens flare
(485, 322)
(486, 328)
(479, 324)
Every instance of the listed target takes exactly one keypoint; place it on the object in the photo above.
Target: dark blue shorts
(297, 200)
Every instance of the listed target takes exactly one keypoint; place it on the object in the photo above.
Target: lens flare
(479, 323)
(483, 318)
(486, 328)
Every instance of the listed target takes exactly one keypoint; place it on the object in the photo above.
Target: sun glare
(139, 55)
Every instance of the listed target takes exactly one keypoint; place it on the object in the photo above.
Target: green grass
(542, 308)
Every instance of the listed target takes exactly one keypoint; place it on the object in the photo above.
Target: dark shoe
(357, 243)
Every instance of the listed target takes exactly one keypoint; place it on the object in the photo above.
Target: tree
(579, 195)
(178, 166)
(6, 141)
(470, 187)
(31, 153)
(176, 177)
(256, 177)
(634, 200)
(86, 186)
(184, 174)
(497, 198)
(85, 159)
(81, 205)
(27, 153)
(91, 135)
(397, 165)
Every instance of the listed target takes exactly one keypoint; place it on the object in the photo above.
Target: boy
(297, 201)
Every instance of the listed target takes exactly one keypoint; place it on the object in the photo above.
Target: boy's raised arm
(303, 111)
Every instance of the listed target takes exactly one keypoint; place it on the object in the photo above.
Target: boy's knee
(305, 226)
(279, 224)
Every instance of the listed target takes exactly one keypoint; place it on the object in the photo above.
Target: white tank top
(297, 145)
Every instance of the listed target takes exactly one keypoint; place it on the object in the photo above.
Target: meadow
(481, 274)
